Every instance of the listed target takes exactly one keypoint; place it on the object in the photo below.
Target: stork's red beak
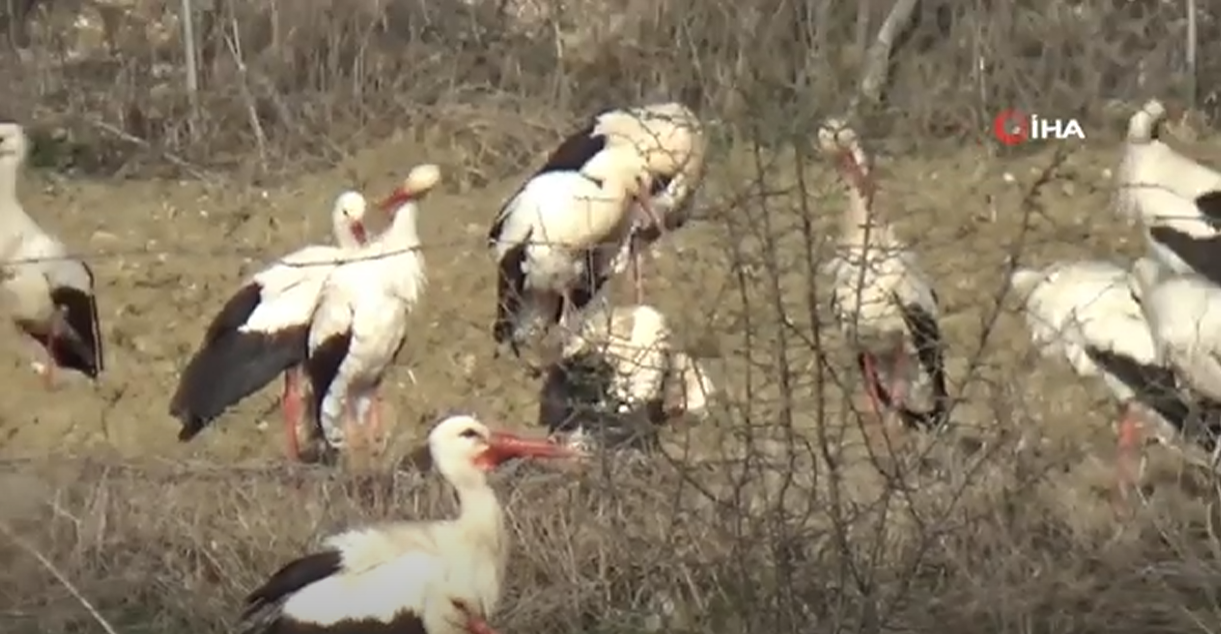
(358, 231)
(503, 446)
(396, 200)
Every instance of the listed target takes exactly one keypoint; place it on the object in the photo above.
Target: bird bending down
(262, 331)
(361, 319)
(671, 138)
(882, 299)
(49, 294)
(432, 577)
(617, 373)
(555, 241)
(1176, 199)
(1089, 313)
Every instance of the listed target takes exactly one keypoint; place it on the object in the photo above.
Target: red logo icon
(1011, 127)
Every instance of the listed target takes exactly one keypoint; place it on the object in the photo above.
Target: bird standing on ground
(361, 319)
(1176, 199)
(262, 330)
(435, 577)
(558, 236)
(671, 138)
(1089, 314)
(616, 373)
(882, 299)
(49, 294)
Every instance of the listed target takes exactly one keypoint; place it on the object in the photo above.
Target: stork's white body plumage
(437, 577)
(49, 294)
(671, 139)
(620, 375)
(361, 318)
(882, 299)
(1075, 310)
(261, 331)
(556, 239)
(1184, 315)
(1176, 199)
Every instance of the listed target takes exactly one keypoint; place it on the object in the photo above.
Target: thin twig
(59, 576)
(174, 159)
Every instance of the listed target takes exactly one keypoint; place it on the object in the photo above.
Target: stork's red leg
(1128, 451)
(872, 389)
(637, 275)
(373, 420)
(898, 378)
(290, 407)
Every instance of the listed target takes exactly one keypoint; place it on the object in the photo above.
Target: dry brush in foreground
(740, 546)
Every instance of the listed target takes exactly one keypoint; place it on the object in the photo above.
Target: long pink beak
(396, 200)
(504, 446)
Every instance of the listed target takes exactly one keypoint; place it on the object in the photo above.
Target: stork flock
(331, 319)
(1150, 329)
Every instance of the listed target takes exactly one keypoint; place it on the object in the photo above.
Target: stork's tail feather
(291, 578)
(1142, 126)
(228, 370)
(79, 344)
(322, 368)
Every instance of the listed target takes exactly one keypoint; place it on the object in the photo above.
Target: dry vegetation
(770, 518)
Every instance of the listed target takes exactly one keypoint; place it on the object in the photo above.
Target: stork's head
(421, 180)
(462, 446)
(839, 141)
(348, 219)
(624, 166)
(13, 143)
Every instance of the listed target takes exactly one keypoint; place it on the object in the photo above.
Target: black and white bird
(1183, 312)
(619, 378)
(558, 236)
(1089, 314)
(1176, 199)
(882, 299)
(431, 577)
(360, 322)
(671, 138)
(49, 293)
(261, 332)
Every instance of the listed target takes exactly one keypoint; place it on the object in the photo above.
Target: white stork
(1089, 313)
(50, 295)
(882, 299)
(361, 319)
(671, 138)
(433, 577)
(616, 373)
(261, 331)
(1176, 199)
(1183, 311)
(558, 236)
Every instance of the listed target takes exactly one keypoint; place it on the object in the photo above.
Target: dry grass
(771, 517)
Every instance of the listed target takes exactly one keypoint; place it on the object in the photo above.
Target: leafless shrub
(776, 518)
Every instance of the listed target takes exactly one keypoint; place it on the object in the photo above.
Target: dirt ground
(167, 254)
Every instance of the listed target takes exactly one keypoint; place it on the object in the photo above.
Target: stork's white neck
(481, 516)
(341, 230)
(9, 166)
(403, 232)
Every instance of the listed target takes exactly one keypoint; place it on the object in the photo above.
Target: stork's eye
(469, 433)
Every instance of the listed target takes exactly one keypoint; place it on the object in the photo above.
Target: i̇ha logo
(1014, 127)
